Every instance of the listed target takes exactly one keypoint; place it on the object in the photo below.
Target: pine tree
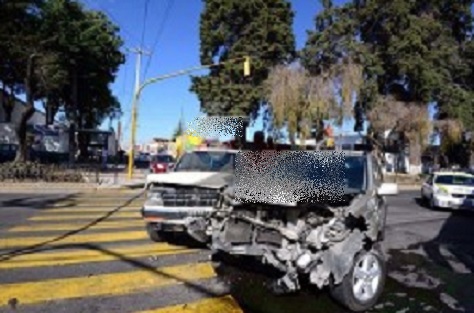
(232, 29)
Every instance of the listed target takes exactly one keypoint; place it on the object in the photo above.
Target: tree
(232, 29)
(19, 21)
(300, 101)
(411, 51)
(411, 120)
(89, 48)
(59, 53)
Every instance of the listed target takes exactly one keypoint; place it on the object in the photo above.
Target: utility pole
(131, 155)
(139, 87)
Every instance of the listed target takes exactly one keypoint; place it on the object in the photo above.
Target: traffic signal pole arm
(153, 80)
(192, 69)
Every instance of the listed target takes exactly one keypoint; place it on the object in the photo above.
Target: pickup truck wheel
(363, 285)
(154, 234)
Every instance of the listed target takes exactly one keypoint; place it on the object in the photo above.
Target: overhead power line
(130, 35)
(159, 32)
(145, 15)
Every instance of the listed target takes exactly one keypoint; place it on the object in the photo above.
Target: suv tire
(153, 233)
(370, 264)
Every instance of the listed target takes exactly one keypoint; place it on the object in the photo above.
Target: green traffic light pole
(150, 81)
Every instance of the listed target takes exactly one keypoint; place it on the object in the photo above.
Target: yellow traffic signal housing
(247, 66)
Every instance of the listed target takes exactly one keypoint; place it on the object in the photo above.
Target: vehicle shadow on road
(250, 285)
(451, 252)
(454, 242)
(36, 202)
(136, 263)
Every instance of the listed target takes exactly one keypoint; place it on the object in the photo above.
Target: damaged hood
(214, 180)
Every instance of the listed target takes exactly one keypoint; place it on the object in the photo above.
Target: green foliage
(232, 29)
(89, 53)
(414, 51)
(74, 55)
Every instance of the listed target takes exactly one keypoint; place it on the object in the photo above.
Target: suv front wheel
(154, 234)
(363, 285)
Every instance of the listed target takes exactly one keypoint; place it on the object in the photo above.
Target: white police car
(453, 190)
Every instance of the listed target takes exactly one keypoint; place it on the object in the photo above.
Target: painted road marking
(91, 203)
(110, 284)
(454, 262)
(89, 256)
(38, 227)
(103, 285)
(69, 210)
(46, 217)
(18, 242)
(225, 304)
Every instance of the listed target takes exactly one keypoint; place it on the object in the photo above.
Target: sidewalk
(410, 187)
(115, 182)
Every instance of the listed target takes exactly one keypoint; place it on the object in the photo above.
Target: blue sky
(177, 48)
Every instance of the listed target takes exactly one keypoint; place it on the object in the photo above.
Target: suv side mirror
(388, 189)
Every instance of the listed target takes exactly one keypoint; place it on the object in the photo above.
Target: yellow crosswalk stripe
(89, 210)
(225, 304)
(36, 227)
(90, 216)
(98, 202)
(103, 285)
(83, 256)
(6, 243)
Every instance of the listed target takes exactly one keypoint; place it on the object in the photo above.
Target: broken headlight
(154, 197)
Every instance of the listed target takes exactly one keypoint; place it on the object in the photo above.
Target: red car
(161, 163)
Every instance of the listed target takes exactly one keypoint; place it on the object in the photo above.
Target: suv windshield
(299, 176)
(346, 171)
(162, 159)
(354, 174)
(206, 161)
(455, 180)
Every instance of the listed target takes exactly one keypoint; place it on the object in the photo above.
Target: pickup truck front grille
(190, 197)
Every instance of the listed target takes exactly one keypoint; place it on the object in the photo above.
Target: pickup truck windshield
(206, 161)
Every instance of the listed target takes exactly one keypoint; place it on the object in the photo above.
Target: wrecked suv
(313, 216)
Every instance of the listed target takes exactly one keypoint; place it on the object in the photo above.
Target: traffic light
(247, 66)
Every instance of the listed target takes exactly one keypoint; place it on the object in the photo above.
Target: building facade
(37, 118)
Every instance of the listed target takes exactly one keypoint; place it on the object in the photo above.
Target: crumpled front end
(313, 239)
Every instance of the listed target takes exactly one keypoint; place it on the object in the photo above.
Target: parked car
(333, 239)
(161, 163)
(7, 152)
(181, 200)
(449, 189)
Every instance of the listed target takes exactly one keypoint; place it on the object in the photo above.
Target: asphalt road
(90, 253)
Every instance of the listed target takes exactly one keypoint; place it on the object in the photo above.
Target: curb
(54, 188)
(409, 187)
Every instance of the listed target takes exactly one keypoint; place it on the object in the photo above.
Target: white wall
(37, 118)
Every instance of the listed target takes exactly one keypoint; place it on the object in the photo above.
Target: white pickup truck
(181, 199)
